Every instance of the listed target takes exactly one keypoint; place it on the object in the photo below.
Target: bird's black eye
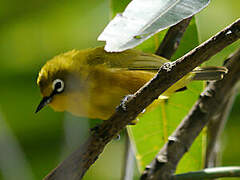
(58, 85)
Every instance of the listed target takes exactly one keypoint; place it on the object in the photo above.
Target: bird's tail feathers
(209, 73)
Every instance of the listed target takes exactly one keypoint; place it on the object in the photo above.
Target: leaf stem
(164, 121)
(128, 165)
(210, 173)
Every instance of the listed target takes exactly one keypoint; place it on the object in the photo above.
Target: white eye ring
(58, 85)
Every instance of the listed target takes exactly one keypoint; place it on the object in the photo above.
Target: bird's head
(57, 79)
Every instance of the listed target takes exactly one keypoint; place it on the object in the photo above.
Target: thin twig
(209, 173)
(75, 166)
(172, 39)
(208, 106)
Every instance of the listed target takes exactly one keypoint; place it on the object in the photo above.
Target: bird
(92, 82)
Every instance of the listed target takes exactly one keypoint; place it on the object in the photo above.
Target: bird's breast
(105, 88)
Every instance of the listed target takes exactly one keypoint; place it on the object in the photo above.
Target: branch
(75, 166)
(210, 102)
(210, 173)
(172, 39)
(215, 128)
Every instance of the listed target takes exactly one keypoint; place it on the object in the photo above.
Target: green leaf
(118, 6)
(142, 19)
(154, 127)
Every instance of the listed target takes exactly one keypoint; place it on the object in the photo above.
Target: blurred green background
(34, 31)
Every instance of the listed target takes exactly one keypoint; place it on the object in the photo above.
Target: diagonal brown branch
(216, 126)
(75, 166)
(172, 39)
(209, 105)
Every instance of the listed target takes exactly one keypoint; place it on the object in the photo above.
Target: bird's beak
(45, 100)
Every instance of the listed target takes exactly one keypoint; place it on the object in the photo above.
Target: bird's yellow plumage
(91, 83)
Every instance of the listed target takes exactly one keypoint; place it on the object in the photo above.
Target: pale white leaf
(143, 18)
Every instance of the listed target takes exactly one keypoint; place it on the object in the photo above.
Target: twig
(75, 166)
(210, 173)
(172, 39)
(208, 106)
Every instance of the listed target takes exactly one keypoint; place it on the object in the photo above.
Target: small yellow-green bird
(92, 82)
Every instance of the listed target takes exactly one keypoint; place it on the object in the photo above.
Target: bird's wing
(129, 59)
